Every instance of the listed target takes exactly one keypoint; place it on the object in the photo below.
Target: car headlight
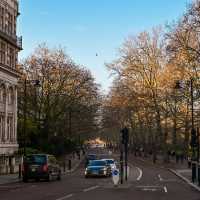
(104, 169)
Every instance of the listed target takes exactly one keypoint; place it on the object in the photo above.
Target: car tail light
(45, 168)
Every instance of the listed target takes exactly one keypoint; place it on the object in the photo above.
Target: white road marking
(91, 188)
(65, 197)
(149, 189)
(165, 189)
(152, 188)
(148, 186)
(140, 175)
(160, 178)
(169, 180)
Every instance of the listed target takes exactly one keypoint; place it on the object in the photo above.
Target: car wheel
(37, 179)
(49, 178)
(59, 177)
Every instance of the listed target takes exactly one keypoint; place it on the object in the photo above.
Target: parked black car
(40, 166)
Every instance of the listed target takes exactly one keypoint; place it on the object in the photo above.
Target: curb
(10, 182)
(184, 179)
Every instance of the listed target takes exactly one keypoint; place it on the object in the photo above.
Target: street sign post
(115, 176)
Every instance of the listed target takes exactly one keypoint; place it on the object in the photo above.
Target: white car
(111, 162)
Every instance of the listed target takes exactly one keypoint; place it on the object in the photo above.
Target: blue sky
(87, 27)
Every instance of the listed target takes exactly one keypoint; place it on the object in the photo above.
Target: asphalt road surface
(146, 182)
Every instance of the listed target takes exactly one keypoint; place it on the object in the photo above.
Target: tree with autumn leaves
(63, 109)
(145, 95)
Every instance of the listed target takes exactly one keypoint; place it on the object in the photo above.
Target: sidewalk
(10, 178)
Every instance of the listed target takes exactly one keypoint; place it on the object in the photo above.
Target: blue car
(97, 168)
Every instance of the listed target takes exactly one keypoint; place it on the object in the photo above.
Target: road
(145, 182)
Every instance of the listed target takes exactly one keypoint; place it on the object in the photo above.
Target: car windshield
(35, 159)
(97, 163)
(110, 161)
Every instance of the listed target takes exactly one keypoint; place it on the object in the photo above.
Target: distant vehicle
(90, 157)
(92, 146)
(40, 166)
(97, 168)
(111, 162)
(100, 145)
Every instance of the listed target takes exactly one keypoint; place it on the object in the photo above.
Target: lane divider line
(160, 178)
(91, 188)
(65, 197)
(165, 189)
(140, 173)
(148, 186)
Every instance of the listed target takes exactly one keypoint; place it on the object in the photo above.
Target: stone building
(10, 45)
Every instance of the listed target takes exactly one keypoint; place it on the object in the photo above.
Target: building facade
(10, 45)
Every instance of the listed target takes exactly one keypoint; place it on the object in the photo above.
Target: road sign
(115, 176)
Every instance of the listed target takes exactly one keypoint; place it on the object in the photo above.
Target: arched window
(2, 127)
(10, 96)
(3, 94)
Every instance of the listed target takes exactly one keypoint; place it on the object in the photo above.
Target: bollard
(193, 172)
(64, 167)
(20, 172)
(198, 174)
(79, 156)
(69, 164)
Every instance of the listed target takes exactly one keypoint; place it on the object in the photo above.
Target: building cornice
(9, 70)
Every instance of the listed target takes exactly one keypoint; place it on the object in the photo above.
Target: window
(11, 57)
(2, 18)
(10, 96)
(52, 160)
(36, 159)
(1, 94)
(10, 24)
(2, 130)
(9, 128)
(2, 53)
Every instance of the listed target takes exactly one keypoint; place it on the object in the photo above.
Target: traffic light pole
(126, 160)
(124, 145)
(121, 164)
(193, 134)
